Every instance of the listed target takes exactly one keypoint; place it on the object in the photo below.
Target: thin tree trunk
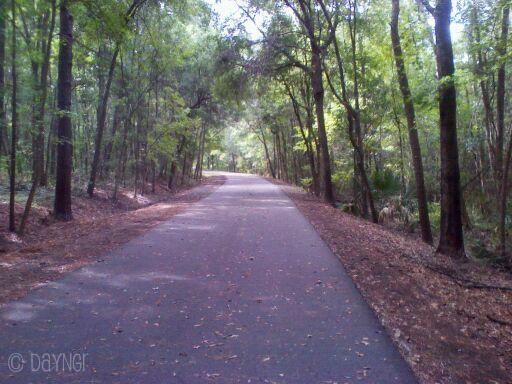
(277, 141)
(307, 140)
(199, 165)
(313, 164)
(274, 155)
(14, 123)
(353, 112)
(402, 160)
(500, 91)
(354, 133)
(308, 17)
(490, 125)
(284, 146)
(116, 119)
(50, 145)
(121, 160)
(174, 164)
(40, 115)
(46, 50)
(267, 155)
(136, 153)
(197, 170)
(101, 119)
(233, 158)
(503, 204)
(426, 233)
(102, 107)
(500, 107)
(324, 166)
(201, 159)
(62, 204)
(357, 117)
(3, 124)
(184, 168)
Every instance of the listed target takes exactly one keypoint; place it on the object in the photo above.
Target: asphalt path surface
(239, 288)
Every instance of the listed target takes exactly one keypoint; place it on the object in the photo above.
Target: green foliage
(182, 68)
(434, 210)
(386, 182)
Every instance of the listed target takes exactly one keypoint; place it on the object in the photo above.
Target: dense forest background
(372, 105)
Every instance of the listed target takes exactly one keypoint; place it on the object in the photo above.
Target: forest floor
(451, 321)
(51, 248)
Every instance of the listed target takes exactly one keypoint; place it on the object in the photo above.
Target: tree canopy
(373, 106)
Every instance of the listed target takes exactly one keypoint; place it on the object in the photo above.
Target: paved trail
(237, 289)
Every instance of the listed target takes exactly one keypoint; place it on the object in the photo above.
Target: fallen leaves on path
(51, 250)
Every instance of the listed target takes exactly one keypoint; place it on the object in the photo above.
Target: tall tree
(3, 125)
(403, 81)
(306, 138)
(352, 109)
(451, 240)
(38, 176)
(62, 202)
(307, 14)
(500, 109)
(101, 115)
(14, 123)
(40, 108)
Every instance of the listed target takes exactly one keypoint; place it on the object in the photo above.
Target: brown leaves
(47, 251)
(447, 332)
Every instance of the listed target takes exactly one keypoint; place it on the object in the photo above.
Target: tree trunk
(324, 166)
(62, 204)
(153, 176)
(50, 144)
(309, 150)
(313, 165)
(451, 240)
(200, 157)
(500, 108)
(33, 123)
(500, 91)
(46, 50)
(279, 157)
(233, 159)
(3, 124)
(353, 116)
(14, 123)
(306, 138)
(102, 107)
(267, 155)
(136, 153)
(284, 147)
(116, 120)
(39, 119)
(503, 204)
(174, 164)
(184, 168)
(360, 163)
(426, 233)
(479, 59)
(120, 160)
(101, 119)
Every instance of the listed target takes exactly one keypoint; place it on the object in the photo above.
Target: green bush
(434, 210)
(306, 182)
(385, 182)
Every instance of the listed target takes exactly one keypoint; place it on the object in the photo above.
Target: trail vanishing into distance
(196, 191)
(239, 288)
